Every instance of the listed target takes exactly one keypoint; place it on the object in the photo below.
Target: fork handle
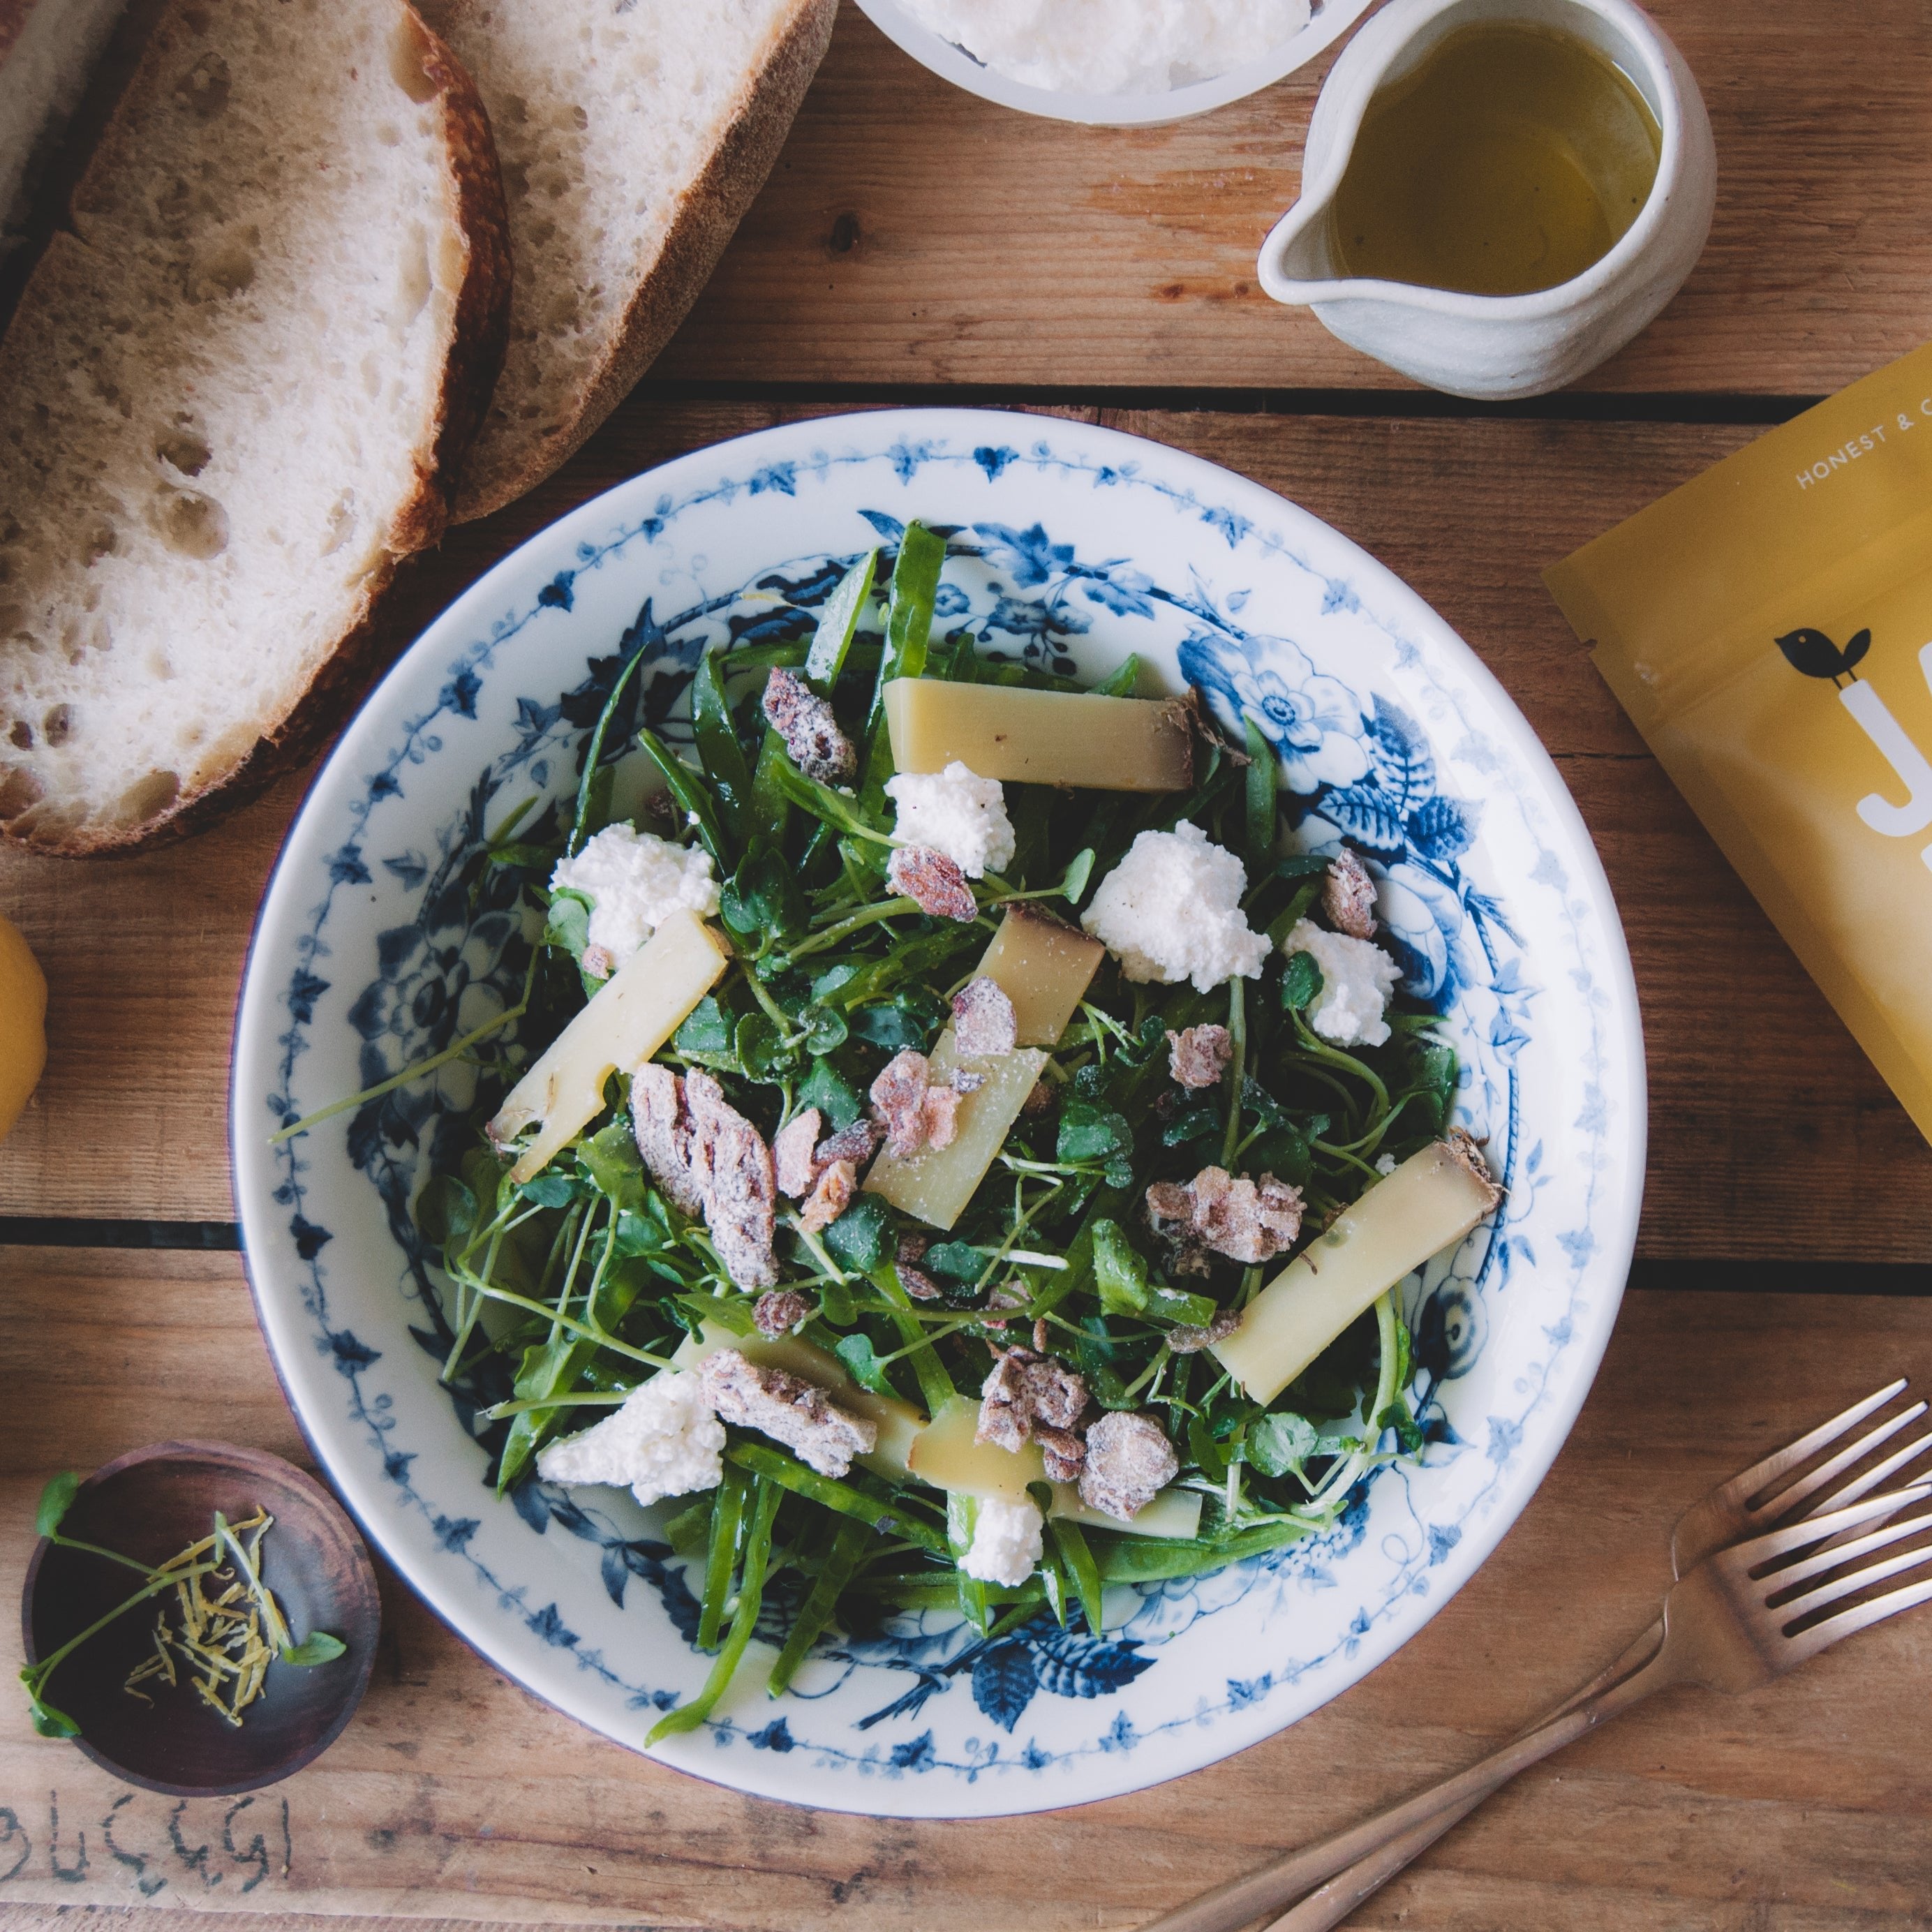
(1241, 1900)
(1324, 1909)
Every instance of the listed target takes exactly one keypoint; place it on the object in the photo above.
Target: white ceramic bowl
(1330, 19)
(1073, 545)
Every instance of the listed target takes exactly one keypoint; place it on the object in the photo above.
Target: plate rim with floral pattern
(1068, 543)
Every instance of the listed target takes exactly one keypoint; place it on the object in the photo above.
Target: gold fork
(1757, 1497)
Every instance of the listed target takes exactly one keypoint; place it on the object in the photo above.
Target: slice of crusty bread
(47, 50)
(230, 399)
(633, 135)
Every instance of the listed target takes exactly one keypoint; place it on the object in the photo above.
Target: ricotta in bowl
(1112, 46)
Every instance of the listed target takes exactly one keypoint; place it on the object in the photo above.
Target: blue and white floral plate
(1071, 546)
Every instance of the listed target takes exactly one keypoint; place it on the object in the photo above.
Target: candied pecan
(1248, 1221)
(1199, 1056)
(983, 1020)
(838, 1181)
(964, 1082)
(732, 1167)
(1061, 1450)
(796, 1413)
(932, 882)
(598, 962)
(1039, 1335)
(912, 1278)
(1184, 1338)
(1037, 1101)
(810, 732)
(663, 1130)
(899, 1093)
(1009, 1295)
(1130, 1461)
(792, 1153)
(780, 1312)
(854, 1143)
(941, 1111)
(1348, 896)
(1026, 1392)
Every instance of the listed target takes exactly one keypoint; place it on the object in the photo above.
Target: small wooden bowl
(148, 1504)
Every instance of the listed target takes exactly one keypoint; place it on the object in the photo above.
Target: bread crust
(707, 217)
(479, 336)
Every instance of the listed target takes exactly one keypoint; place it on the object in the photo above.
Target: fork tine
(1781, 1461)
(1848, 1586)
(1813, 1481)
(1760, 1549)
(1821, 1561)
(1863, 1486)
(1860, 1616)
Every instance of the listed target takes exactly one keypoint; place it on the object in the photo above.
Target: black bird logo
(1813, 653)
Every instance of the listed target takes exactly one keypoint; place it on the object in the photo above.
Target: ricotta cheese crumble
(1008, 1540)
(1358, 979)
(955, 812)
(1171, 909)
(635, 881)
(665, 1441)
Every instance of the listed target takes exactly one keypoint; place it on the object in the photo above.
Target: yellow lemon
(23, 1035)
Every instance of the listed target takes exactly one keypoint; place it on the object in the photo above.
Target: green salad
(954, 1150)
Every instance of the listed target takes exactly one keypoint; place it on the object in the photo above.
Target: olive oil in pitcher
(1510, 159)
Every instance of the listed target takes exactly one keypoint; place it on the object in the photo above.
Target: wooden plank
(454, 1796)
(1754, 1083)
(913, 233)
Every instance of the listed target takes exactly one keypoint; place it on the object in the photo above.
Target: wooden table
(915, 243)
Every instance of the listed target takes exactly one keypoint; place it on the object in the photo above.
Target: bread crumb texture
(631, 138)
(219, 405)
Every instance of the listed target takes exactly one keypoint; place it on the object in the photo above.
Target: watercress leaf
(825, 1029)
(1121, 681)
(1192, 1125)
(835, 1305)
(910, 1018)
(958, 1260)
(638, 1234)
(1120, 1273)
(1277, 1444)
(1262, 1104)
(568, 925)
(829, 982)
(56, 1499)
(1399, 1417)
(1174, 1304)
(1283, 1152)
(51, 1723)
(857, 1352)
(762, 1050)
(611, 1158)
(318, 1647)
(690, 1530)
(707, 1029)
(716, 739)
(861, 1236)
(1091, 1133)
(764, 895)
(1073, 880)
(445, 1209)
(1119, 1172)
(825, 1089)
(549, 1190)
(725, 1311)
(1300, 983)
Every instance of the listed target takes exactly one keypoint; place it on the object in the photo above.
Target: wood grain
(454, 1795)
(1770, 1135)
(913, 233)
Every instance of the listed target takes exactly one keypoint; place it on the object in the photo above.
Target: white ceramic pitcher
(1493, 346)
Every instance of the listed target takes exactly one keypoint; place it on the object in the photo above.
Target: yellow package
(1769, 627)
